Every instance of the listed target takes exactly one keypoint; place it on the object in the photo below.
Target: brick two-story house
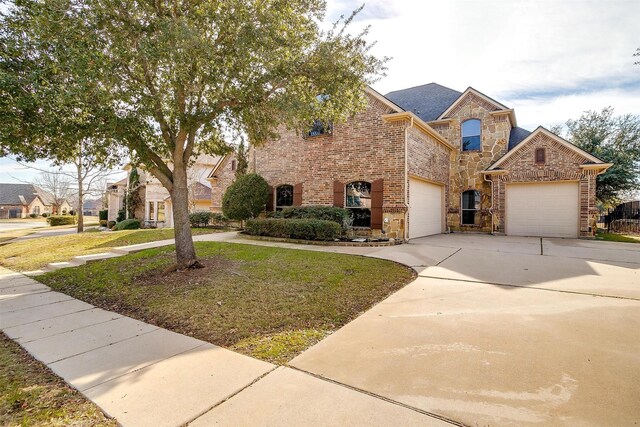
(429, 159)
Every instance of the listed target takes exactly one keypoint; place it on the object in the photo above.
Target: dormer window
(471, 135)
(541, 156)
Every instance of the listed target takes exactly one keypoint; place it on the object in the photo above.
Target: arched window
(470, 208)
(358, 201)
(471, 135)
(284, 196)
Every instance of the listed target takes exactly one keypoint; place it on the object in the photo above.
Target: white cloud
(577, 53)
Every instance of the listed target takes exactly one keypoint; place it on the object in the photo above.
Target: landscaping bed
(618, 237)
(360, 242)
(30, 394)
(269, 303)
(30, 255)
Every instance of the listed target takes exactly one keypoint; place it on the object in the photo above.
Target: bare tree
(86, 176)
(60, 188)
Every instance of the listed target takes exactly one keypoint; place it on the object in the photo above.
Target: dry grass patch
(266, 302)
(31, 395)
(35, 254)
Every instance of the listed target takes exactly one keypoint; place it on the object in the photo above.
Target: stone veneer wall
(466, 166)
(562, 164)
(364, 148)
(224, 178)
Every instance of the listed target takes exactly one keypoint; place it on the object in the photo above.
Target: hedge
(203, 219)
(306, 229)
(127, 224)
(325, 213)
(61, 220)
(103, 215)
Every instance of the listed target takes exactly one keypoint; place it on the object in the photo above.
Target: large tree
(167, 79)
(614, 139)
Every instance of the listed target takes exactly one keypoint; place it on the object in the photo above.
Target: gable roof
(468, 91)
(541, 130)
(201, 192)
(18, 194)
(516, 136)
(427, 101)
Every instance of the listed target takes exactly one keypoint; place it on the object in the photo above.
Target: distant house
(208, 178)
(22, 200)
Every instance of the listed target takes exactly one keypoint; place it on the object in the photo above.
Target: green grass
(614, 237)
(31, 395)
(35, 254)
(269, 303)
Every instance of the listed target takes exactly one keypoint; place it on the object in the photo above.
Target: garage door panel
(425, 212)
(544, 209)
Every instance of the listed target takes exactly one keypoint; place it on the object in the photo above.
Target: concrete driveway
(501, 331)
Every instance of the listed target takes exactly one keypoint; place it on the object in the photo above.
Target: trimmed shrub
(246, 197)
(54, 220)
(111, 224)
(122, 214)
(219, 219)
(44, 215)
(127, 224)
(200, 219)
(103, 215)
(103, 222)
(326, 213)
(305, 229)
(33, 215)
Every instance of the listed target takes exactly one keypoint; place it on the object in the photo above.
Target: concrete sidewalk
(143, 375)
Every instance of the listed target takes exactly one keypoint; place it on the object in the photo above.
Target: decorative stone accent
(467, 166)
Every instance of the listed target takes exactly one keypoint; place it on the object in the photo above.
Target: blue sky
(549, 59)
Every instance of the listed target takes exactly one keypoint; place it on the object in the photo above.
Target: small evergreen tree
(242, 161)
(133, 199)
(246, 197)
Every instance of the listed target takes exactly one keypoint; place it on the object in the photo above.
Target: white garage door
(425, 211)
(546, 210)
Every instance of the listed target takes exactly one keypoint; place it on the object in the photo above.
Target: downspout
(490, 206)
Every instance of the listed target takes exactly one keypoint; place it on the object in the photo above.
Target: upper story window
(471, 135)
(358, 201)
(319, 128)
(541, 156)
(284, 196)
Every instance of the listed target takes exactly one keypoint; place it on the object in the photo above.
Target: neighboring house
(155, 208)
(22, 200)
(429, 159)
(92, 207)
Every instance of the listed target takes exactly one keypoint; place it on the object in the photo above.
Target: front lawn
(30, 394)
(269, 303)
(35, 254)
(614, 237)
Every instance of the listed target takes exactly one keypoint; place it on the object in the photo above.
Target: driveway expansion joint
(380, 397)
(537, 288)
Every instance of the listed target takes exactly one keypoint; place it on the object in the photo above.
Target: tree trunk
(80, 196)
(185, 251)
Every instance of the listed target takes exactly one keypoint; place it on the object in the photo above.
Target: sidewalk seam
(235, 393)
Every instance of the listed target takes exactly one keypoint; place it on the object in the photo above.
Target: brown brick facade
(561, 164)
(365, 148)
(222, 178)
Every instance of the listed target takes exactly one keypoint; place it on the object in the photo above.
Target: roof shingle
(427, 101)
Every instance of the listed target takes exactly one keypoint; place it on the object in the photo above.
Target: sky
(550, 60)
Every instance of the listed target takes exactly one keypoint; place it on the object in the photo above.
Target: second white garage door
(546, 210)
(425, 211)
